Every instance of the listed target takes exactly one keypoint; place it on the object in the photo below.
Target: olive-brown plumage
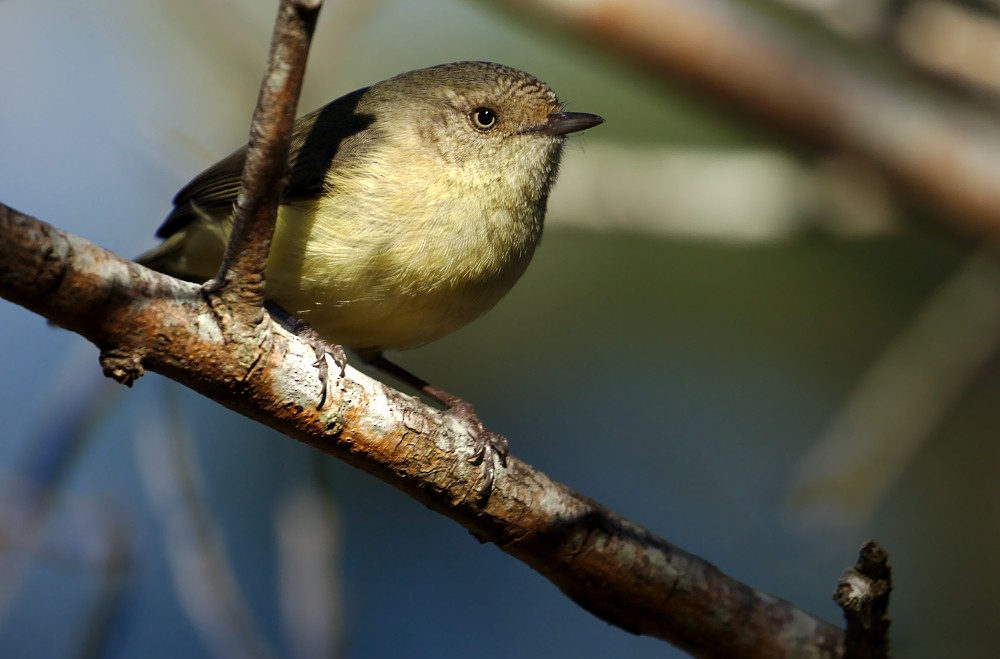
(412, 205)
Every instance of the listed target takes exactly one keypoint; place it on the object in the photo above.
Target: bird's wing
(336, 131)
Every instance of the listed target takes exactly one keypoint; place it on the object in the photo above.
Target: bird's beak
(564, 123)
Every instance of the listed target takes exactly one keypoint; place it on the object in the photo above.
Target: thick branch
(241, 276)
(942, 152)
(611, 567)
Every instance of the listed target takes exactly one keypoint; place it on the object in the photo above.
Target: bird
(412, 207)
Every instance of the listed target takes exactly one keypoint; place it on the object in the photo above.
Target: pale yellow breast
(376, 266)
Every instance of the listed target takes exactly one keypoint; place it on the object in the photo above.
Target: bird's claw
(339, 358)
(488, 449)
(322, 348)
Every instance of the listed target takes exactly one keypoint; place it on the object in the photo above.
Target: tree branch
(140, 319)
(619, 571)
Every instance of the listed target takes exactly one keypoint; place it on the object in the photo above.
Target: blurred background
(763, 324)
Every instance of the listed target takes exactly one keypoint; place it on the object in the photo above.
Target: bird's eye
(483, 118)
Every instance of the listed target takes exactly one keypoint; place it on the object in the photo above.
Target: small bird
(412, 206)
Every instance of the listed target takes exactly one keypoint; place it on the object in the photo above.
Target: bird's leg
(489, 447)
(320, 346)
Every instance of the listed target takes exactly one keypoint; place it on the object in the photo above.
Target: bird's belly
(388, 294)
(391, 321)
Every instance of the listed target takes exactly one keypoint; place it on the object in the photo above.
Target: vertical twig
(863, 594)
(240, 280)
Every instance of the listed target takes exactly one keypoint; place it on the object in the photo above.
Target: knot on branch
(239, 309)
(122, 365)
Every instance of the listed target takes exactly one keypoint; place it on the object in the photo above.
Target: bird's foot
(323, 349)
(320, 346)
(489, 448)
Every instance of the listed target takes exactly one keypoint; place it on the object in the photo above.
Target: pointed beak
(564, 123)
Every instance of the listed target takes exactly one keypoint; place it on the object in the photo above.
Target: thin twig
(863, 594)
(240, 280)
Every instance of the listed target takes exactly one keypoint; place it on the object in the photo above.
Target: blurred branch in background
(953, 41)
(903, 398)
(229, 34)
(93, 538)
(34, 488)
(204, 580)
(956, 42)
(98, 538)
(943, 152)
(41, 522)
(724, 195)
(309, 563)
(850, 18)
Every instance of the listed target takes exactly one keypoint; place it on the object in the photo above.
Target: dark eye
(483, 118)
